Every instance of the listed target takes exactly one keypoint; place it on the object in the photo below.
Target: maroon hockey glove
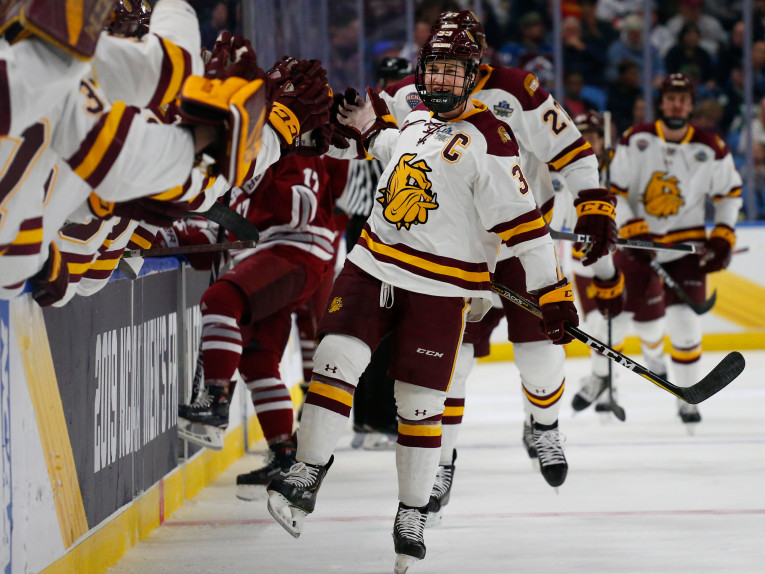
(558, 310)
(232, 56)
(637, 229)
(595, 209)
(718, 249)
(299, 106)
(50, 283)
(608, 295)
(152, 211)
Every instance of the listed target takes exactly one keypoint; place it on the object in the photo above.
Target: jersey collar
(486, 70)
(479, 107)
(686, 138)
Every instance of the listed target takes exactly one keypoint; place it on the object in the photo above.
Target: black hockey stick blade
(669, 281)
(716, 380)
(232, 221)
(618, 411)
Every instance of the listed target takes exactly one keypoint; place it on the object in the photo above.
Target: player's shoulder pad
(646, 128)
(713, 141)
(402, 84)
(520, 83)
(500, 139)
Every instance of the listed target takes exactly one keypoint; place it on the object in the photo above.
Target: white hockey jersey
(667, 183)
(451, 192)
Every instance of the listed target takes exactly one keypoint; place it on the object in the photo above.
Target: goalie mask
(676, 83)
(130, 18)
(462, 20)
(447, 70)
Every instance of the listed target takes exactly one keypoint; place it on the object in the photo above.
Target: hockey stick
(698, 308)
(190, 249)
(630, 243)
(232, 221)
(612, 406)
(717, 379)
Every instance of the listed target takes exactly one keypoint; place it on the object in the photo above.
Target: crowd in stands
(602, 54)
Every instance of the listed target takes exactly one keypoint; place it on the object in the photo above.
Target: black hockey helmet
(393, 69)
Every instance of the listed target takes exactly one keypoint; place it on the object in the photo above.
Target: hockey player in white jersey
(452, 192)
(663, 173)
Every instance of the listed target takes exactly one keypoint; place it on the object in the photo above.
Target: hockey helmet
(589, 121)
(394, 69)
(130, 18)
(450, 45)
(462, 20)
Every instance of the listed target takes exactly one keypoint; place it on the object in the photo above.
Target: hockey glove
(300, 105)
(152, 211)
(637, 229)
(718, 249)
(557, 304)
(608, 295)
(314, 143)
(50, 283)
(595, 209)
(232, 56)
(236, 109)
(368, 117)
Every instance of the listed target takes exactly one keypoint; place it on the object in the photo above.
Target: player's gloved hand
(718, 249)
(301, 105)
(608, 294)
(558, 310)
(314, 143)
(368, 117)
(50, 283)
(152, 211)
(595, 210)
(232, 56)
(637, 229)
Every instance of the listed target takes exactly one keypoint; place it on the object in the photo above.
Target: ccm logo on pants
(429, 353)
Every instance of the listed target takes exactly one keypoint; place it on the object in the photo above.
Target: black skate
(203, 421)
(592, 387)
(408, 540)
(292, 494)
(442, 488)
(689, 414)
(528, 440)
(280, 457)
(552, 461)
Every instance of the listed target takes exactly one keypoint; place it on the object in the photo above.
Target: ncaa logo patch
(701, 156)
(413, 99)
(642, 145)
(503, 110)
(443, 134)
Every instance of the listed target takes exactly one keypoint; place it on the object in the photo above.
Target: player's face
(595, 140)
(445, 76)
(677, 105)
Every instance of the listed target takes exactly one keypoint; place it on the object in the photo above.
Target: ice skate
(408, 540)
(292, 494)
(528, 440)
(552, 461)
(689, 414)
(252, 486)
(442, 488)
(203, 421)
(592, 387)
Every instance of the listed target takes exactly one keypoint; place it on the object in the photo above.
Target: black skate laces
(410, 523)
(443, 480)
(204, 399)
(302, 475)
(549, 448)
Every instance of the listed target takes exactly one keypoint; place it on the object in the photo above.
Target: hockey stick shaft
(630, 243)
(190, 249)
(698, 308)
(722, 375)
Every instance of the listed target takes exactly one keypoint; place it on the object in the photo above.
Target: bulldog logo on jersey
(662, 197)
(336, 305)
(406, 199)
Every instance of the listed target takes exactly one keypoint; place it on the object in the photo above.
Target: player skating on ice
(452, 192)
(663, 173)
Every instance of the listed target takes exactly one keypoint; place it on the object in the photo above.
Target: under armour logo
(417, 412)
(329, 369)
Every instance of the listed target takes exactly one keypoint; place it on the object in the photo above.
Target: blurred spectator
(595, 31)
(758, 66)
(344, 58)
(731, 54)
(661, 37)
(689, 58)
(728, 12)
(757, 125)
(758, 153)
(758, 26)
(629, 46)
(638, 110)
(212, 25)
(712, 33)
(623, 93)
(573, 102)
(732, 100)
(579, 56)
(530, 42)
(707, 116)
(612, 11)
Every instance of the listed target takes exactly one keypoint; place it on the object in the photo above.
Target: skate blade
(289, 517)
(403, 562)
(202, 435)
(358, 440)
(251, 492)
(434, 518)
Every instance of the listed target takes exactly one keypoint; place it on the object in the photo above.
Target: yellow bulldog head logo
(336, 305)
(662, 196)
(407, 197)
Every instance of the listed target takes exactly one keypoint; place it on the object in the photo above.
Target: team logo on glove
(407, 198)
(662, 197)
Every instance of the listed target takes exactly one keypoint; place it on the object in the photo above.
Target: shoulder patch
(503, 135)
(413, 99)
(531, 84)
